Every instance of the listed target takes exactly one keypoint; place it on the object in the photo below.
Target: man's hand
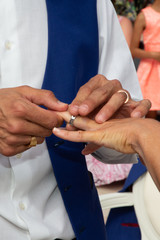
(99, 97)
(21, 117)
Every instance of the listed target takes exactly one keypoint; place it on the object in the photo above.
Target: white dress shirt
(31, 206)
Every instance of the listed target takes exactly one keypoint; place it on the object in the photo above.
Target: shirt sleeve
(107, 155)
(115, 62)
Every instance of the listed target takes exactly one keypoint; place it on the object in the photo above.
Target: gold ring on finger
(33, 142)
(126, 93)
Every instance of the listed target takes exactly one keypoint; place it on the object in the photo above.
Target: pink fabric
(107, 173)
(149, 69)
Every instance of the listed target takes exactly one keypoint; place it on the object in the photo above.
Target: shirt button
(19, 155)
(21, 206)
(8, 45)
(67, 188)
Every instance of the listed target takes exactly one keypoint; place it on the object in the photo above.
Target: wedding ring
(33, 142)
(127, 95)
(71, 121)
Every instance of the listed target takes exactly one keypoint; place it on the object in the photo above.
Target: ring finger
(19, 140)
(109, 109)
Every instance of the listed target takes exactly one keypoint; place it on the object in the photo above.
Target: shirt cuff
(109, 156)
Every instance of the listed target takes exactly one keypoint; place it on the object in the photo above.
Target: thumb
(43, 97)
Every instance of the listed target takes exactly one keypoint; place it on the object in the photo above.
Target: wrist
(147, 138)
(155, 55)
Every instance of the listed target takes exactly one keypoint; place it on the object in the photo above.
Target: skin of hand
(21, 117)
(139, 27)
(99, 99)
(130, 135)
(90, 131)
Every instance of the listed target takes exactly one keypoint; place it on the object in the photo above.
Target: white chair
(145, 198)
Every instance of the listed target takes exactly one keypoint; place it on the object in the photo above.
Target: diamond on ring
(127, 95)
(72, 120)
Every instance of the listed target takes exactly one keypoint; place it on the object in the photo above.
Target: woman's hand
(116, 134)
(130, 135)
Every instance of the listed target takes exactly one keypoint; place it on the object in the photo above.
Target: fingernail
(56, 129)
(84, 152)
(83, 109)
(73, 109)
(62, 103)
(136, 115)
(100, 118)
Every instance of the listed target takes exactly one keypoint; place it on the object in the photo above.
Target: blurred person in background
(147, 25)
(130, 8)
(127, 28)
(126, 25)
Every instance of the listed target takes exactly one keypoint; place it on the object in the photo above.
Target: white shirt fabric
(31, 206)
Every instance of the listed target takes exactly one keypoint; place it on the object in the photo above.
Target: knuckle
(146, 104)
(24, 87)
(102, 138)
(79, 132)
(116, 83)
(87, 89)
(100, 79)
(8, 151)
(14, 127)
(149, 104)
(101, 92)
(92, 101)
(19, 108)
(10, 140)
(82, 87)
(48, 93)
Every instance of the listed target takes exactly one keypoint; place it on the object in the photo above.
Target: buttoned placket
(9, 67)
